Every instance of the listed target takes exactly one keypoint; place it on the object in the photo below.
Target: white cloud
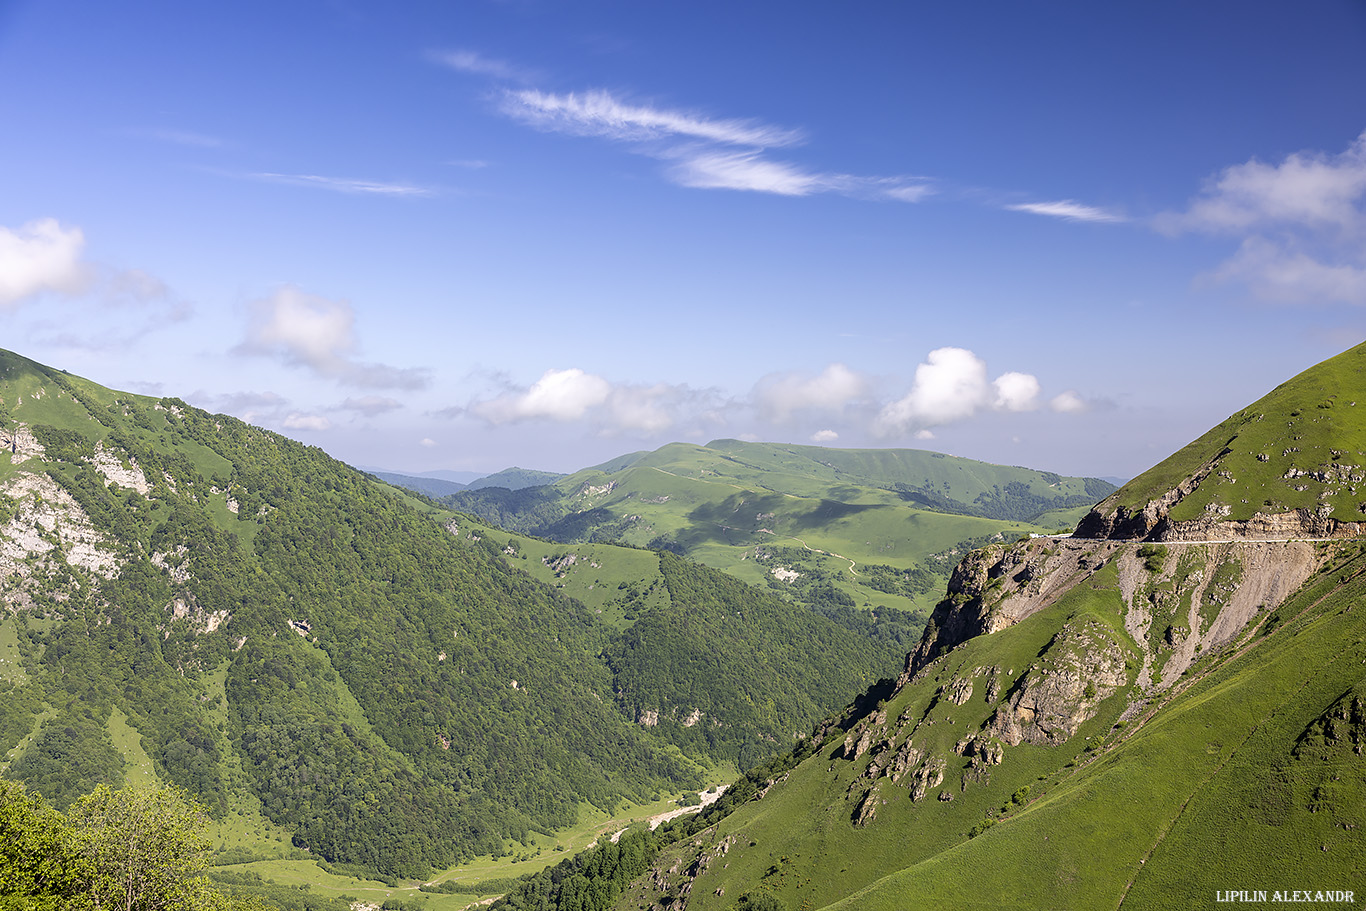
(297, 421)
(1306, 189)
(1302, 223)
(949, 386)
(1276, 273)
(952, 386)
(648, 409)
(427, 441)
(599, 113)
(924, 434)
(1068, 403)
(824, 436)
(703, 152)
(610, 408)
(745, 171)
(467, 61)
(909, 192)
(252, 407)
(313, 332)
(779, 396)
(559, 395)
(1016, 392)
(370, 405)
(344, 184)
(1067, 209)
(39, 257)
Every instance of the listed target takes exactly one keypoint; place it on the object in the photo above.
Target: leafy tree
(38, 866)
(145, 850)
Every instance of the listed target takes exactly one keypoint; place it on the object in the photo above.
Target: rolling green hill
(858, 529)
(1095, 722)
(314, 654)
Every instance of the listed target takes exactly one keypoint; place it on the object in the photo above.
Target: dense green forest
(269, 620)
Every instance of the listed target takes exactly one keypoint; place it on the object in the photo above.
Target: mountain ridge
(1092, 721)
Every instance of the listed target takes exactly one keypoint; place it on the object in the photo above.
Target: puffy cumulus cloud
(779, 396)
(952, 385)
(824, 436)
(559, 395)
(1302, 223)
(297, 421)
(39, 257)
(1068, 403)
(42, 257)
(1016, 392)
(1306, 189)
(573, 394)
(305, 330)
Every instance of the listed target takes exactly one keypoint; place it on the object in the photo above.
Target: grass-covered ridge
(862, 529)
(1301, 446)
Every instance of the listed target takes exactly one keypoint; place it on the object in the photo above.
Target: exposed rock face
(929, 775)
(1080, 668)
(1153, 521)
(998, 586)
(1109, 520)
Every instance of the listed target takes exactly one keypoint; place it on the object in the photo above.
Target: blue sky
(477, 234)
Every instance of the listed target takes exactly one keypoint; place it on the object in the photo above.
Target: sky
(469, 235)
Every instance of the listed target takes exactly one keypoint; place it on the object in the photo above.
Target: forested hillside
(273, 623)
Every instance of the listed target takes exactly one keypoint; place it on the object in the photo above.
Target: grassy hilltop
(863, 529)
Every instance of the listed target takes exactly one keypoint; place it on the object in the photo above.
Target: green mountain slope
(286, 636)
(1291, 464)
(853, 528)
(1087, 723)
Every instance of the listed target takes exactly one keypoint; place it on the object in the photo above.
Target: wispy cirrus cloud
(180, 137)
(701, 151)
(467, 61)
(599, 113)
(349, 185)
(1067, 209)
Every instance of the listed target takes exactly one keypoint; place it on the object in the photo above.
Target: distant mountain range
(438, 484)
